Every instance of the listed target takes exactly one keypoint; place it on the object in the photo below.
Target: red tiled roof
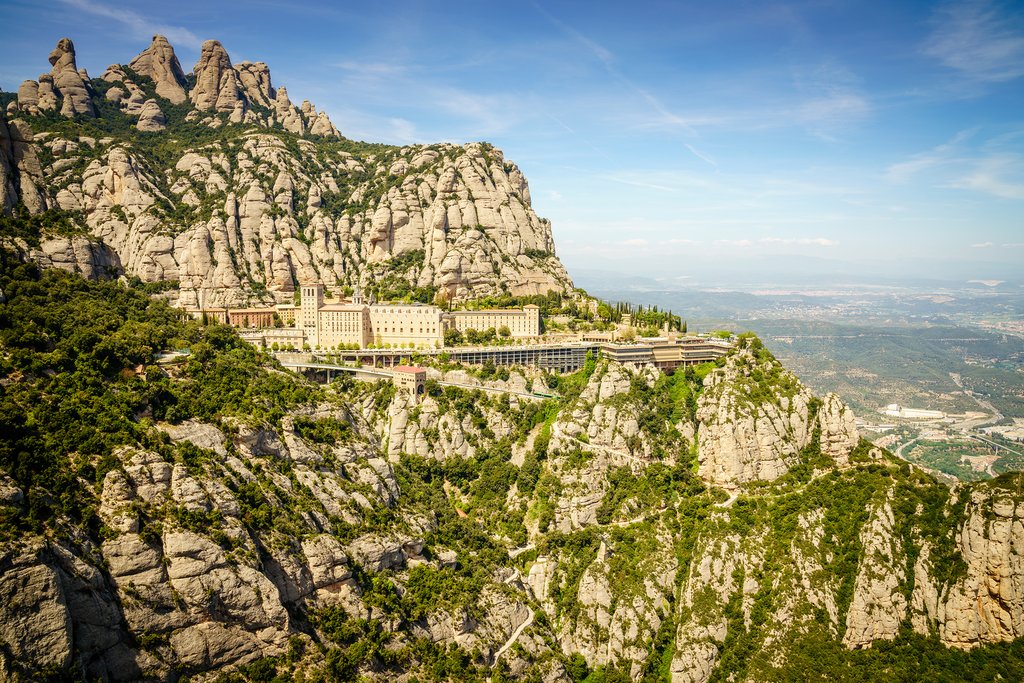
(407, 368)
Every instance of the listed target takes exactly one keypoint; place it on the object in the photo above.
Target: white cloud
(636, 242)
(940, 155)
(990, 166)
(801, 241)
(982, 245)
(973, 38)
(404, 130)
(641, 183)
(779, 241)
(1000, 175)
(555, 195)
(700, 155)
(140, 26)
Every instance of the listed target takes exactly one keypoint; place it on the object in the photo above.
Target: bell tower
(309, 315)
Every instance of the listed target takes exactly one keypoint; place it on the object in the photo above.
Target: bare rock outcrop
(755, 417)
(68, 81)
(986, 604)
(151, 119)
(807, 590)
(838, 429)
(217, 85)
(878, 606)
(87, 256)
(745, 437)
(34, 621)
(703, 623)
(159, 62)
(459, 216)
(255, 79)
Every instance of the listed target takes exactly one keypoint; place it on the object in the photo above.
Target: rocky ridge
(258, 194)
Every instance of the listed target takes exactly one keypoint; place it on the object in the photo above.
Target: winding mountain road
(514, 637)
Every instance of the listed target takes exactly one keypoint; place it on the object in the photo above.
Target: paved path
(516, 552)
(514, 637)
(728, 503)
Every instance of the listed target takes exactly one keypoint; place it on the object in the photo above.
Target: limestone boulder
(151, 119)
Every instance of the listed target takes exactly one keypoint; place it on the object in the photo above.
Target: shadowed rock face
(159, 62)
(8, 190)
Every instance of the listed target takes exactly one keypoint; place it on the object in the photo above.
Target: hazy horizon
(659, 139)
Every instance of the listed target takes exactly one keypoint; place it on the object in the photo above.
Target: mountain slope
(217, 182)
(216, 514)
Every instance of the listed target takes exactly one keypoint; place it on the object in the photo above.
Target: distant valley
(954, 347)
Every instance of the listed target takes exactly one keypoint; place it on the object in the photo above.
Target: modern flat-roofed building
(666, 354)
(524, 322)
(277, 338)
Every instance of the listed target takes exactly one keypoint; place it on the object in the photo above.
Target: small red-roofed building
(411, 379)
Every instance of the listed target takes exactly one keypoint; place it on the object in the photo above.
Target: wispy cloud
(939, 155)
(1004, 245)
(991, 166)
(977, 40)
(665, 116)
(599, 51)
(700, 155)
(140, 26)
(404, 130)
(641, 183)
(637, 242)
(999, 175)
(468, 114)
(779, 241)
(801, 241)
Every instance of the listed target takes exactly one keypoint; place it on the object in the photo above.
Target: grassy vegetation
(77, 358)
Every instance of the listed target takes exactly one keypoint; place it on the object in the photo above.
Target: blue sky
(656, 135)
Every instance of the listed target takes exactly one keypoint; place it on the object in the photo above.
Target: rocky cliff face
(756, 417)
(256, 194)
(986, 602)
(601, 542)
